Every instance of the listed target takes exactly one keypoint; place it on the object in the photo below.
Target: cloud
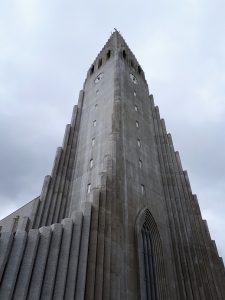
(45, 53)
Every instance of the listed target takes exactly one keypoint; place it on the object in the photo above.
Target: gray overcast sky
(46, 48)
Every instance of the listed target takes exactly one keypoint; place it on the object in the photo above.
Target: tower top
(116, 46)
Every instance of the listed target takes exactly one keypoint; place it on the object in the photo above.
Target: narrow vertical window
(142, 189)
(137, 124)
(99, 63)
(94, 123)
(92, 69)
(93, 142)
(88, 188)
(139, 70)
(139, 143)
(124, 54)
(96, 106)
(97, 92)
(140, 163)
(136, 108)
(91, 163)
(108, 54)
(135, 94)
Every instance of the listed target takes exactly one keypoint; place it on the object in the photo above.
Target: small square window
(94, 123)
(139, 143)
(88, 188)
(136, 108)
(93, 142)
(137, 124)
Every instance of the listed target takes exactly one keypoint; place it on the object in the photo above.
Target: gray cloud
(46, 50)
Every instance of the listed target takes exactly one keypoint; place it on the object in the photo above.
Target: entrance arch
(152, 279)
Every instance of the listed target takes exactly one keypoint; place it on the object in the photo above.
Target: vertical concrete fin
(176, 236)
(74, 257)
(99, 271)
(61, 275)
(151, 99)
(178, 161)
(61, 183)
(56, 161)
(43, 199)
(66, 136)
(23, 224)
(80, 99)
(6, 240)
(34, 213)
(82, 264)
(13, 265)
(187, 181)
(52, 262)
(74, 116)
(92, 255)
(27, 264)
(40, 264)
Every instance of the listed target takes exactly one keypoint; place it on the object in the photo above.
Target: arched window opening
(99, 63)
(152, 284)
(124, 54)
(108, 54)
(92, 69)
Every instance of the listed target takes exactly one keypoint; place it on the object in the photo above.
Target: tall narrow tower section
(117, 218)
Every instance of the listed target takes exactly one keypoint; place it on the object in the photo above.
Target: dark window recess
(108, 54)
(132, 64)
(124, 54)
(139, 70)
(99, 63)
(92, 69)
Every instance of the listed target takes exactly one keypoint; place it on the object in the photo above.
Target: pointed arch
(152, 279)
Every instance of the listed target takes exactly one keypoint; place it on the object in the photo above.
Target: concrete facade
(117, 218)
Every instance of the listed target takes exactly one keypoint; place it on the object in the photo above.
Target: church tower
(117, 218)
